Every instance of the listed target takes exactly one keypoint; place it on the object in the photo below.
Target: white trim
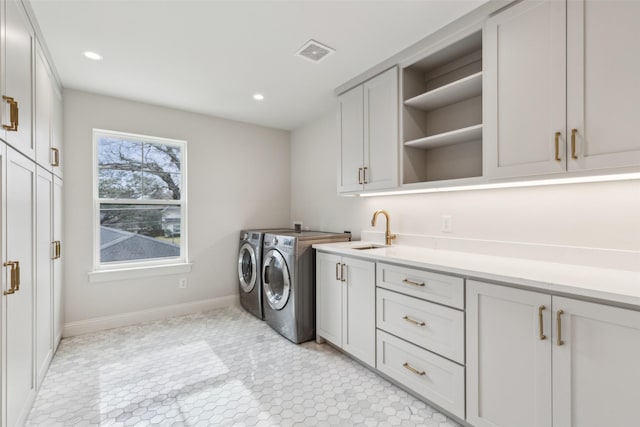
(98, 276)
(109, 322)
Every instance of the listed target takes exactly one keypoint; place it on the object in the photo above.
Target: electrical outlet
(447, 223)
(182, 283)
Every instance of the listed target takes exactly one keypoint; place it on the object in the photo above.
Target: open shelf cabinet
(442, 114)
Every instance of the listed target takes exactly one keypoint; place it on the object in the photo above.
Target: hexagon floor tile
(219, 368)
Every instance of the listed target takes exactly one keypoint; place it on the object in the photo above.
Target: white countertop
(616, 286)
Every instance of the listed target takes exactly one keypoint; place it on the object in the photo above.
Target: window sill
(138, 272)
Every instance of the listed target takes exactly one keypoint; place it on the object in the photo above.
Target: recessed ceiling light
(258, 96)
(93, 55)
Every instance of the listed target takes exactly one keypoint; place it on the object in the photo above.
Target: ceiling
(211, 56)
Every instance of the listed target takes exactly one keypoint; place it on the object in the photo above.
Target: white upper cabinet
(368, 131)
(18, 44)
(603, 39)
(525, 90)
(561, 87)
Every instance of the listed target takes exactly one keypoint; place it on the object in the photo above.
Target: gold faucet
(388, 237)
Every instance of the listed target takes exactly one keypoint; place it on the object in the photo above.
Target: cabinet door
(43, 112)
(508, 360)
(595, 371)
(351, 140)
(329, 298)
(44, 272)
(603, 83)
(58, 318)
(381, 131)
(19, 387)
(359, 310)
(18, 50)
(524, 57)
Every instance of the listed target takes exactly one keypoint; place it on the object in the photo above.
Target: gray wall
(238, 176)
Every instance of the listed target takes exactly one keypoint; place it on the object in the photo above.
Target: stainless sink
(367, 247)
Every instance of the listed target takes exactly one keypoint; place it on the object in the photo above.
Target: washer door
(276, 280)
(247, 267)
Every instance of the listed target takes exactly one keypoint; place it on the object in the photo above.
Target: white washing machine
(249, 269)
(288, 276)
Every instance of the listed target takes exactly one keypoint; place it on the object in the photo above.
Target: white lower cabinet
(345, 304)
(540, 360)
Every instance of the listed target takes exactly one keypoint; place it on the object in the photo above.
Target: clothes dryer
(288, 275)
(249, 269)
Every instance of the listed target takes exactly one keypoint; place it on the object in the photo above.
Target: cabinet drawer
(434, 327)
(429, 375)
(440, 288)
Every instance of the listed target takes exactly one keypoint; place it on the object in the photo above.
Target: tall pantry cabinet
(31, 212)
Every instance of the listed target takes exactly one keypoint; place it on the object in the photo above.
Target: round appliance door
(276, 280)
(247, 267)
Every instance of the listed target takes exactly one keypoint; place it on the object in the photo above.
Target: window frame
(150, 263)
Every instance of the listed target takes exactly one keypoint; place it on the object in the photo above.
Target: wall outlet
(182, 283)
(447, 223)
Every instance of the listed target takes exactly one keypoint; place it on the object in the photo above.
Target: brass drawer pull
(56, 157)
(414, 321)
(364, 175)
(58, 249)
(13, 114)
(540, 323)
(15, 277)
(360, 176)
(342, 279)
(412, 369)
(337, 271)
(557, 144)
(559, 327)
(574, 155)
(411, 282)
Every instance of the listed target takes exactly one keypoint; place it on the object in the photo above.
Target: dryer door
(276, 280)
(247, 267)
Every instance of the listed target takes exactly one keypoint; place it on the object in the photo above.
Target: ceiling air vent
(314, 51)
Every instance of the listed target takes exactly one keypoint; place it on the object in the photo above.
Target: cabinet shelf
(459, 90)
(453, 137)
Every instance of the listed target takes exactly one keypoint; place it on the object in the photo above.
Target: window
(139, 199)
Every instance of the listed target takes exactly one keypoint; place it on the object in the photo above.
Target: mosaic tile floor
(220, 368)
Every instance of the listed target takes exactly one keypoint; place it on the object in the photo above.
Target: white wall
(238, 176)
(595, 215)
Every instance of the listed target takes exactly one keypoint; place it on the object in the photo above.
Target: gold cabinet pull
(337, 271)
(55, 249)
(574, 132)
(412, 369)
(360, 176)
(13, 114)
(364, 175)
(557, 146)
(15, 277)
(411, 282)
(56, 157)
(414, 321)
(541, 322)
(559, 327)
(342, 279)
(58, 249)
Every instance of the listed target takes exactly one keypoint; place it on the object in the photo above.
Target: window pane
(115, 153)
(161, 186)
(161, 158)
(137, 232)
(119, 184)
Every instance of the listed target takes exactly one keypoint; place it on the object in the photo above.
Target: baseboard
(109, 322)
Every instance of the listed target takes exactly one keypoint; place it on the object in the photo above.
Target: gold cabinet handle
(56, 157)
(13, 114)
(342, 279)
(411, 282)
(55, 249)
(15, 277)
(412, 369)
(414, 321)
(557, 146)
(360, 176)
(559, 327)
(541, 322)
(574, 132)
(337, 271)
(58, 249)
(364, 174)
